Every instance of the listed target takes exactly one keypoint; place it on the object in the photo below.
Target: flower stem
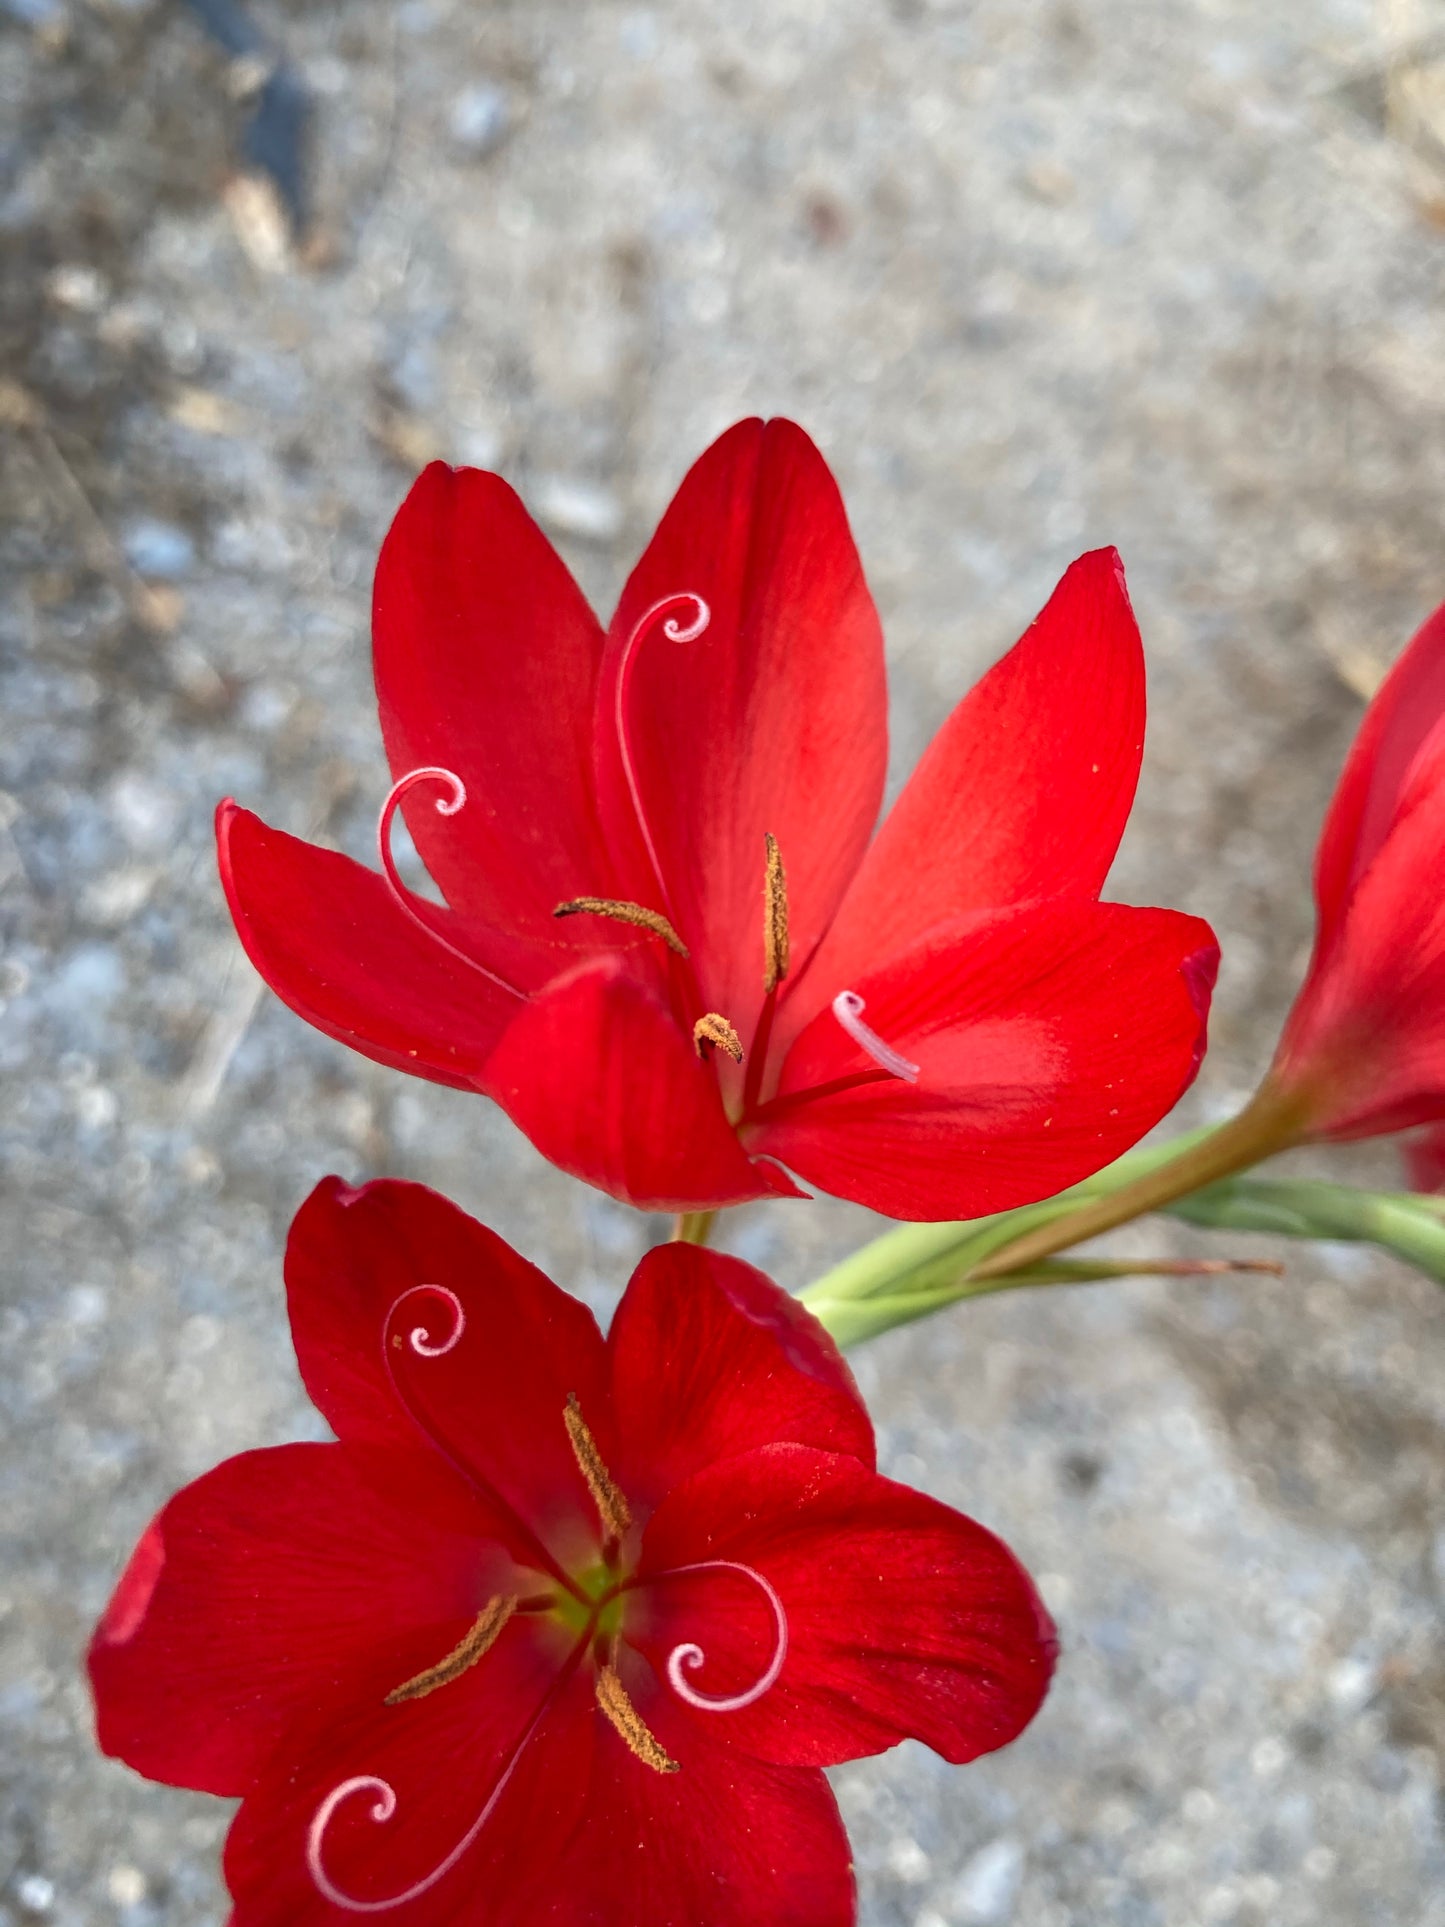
(1273, 1120)
(851, 1320)
(693, 1227)
(1410, 1226)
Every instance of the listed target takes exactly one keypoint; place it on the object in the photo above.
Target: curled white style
(692, 1656)
(420, 1338)
(445, 806)
(382, 1809)
(848, 1008)
(675, 631)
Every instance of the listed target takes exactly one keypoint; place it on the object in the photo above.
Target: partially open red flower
(1363, 1050)
(562, 1629)
(669, 948)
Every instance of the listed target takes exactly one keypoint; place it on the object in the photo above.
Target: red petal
(1368, 1027)
(328, 938)
(710, 1358)
(486, 659)
(1022, 794)
(773, 720)
(1048, 1039)
(600, 1075)
(442, 1757)
(904, 1619)
(274, 1581)
(1404, 712)
(494, 1400)
(727, 1841)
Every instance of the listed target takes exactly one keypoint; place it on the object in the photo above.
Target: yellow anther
(611, 1503)
(775, 916)
(479, 1638)
(641, 1741)
(716, 1033)
(636, 914)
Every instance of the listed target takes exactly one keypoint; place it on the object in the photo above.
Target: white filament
(691, 1655)
(848, 1008)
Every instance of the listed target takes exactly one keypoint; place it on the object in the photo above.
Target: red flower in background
(669, 948)
(1363, 1049)
(561, 1629)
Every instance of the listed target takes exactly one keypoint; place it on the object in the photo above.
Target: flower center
(590, 1605)
(712, 1030)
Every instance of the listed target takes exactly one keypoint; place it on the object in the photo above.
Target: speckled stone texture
(1037, 276)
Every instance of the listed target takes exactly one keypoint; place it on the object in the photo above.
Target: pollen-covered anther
(479, 1638)
(637, 914)
(607, 1495)
(775, 915)
(640, 1739)
(716, 1033)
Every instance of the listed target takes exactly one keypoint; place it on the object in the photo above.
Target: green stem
(1271, 1122)
(1411, 1226)
(851, 1320)
(933, 1257)
(693, 1227)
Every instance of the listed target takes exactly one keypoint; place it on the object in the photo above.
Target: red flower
(670, 950)
(562, 1629)
(1363, 1050)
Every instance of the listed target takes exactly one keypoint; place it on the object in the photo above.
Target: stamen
(634, 913)
(612, 1698)
(399, 891)
(714, 1032)
(692, 1656)
(848, 1008)
(675, 631)
(612, 1506)
(478, 1640)
(775, 916)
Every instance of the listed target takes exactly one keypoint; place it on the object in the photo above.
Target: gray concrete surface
(1037, 276)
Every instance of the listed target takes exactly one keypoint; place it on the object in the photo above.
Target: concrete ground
(1036, 276)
